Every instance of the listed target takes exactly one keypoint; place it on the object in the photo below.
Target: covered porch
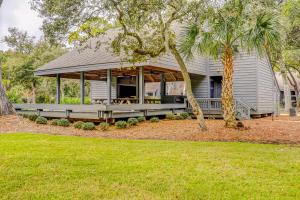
(123, 95)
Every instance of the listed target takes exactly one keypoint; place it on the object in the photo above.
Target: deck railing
(213, 106)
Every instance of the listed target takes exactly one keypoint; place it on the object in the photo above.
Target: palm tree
(235, 26)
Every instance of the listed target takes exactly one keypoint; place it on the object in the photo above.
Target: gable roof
(279, 79)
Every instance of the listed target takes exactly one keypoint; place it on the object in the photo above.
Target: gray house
(118, 88)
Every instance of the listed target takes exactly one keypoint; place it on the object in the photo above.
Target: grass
(38, 166)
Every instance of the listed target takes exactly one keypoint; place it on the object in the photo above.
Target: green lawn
(37, 166)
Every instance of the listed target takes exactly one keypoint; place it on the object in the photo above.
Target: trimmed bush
(25, 116)
(54, 122)
(41, 120)
(179, 117)
(154, 119)
(32, 117)
(132, 121)
(104, 126)
(121, 124)
(170, 116)
(184, 115)
(78, 124)
(63, 122)
(141, 119)
(88, 126)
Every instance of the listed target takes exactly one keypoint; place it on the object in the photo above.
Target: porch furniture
(98, 101)
(125, 101)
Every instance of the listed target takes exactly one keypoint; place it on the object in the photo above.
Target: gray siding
(197, 65)
(200, 86)
(266, 87)
(99, 90)
(244, 79)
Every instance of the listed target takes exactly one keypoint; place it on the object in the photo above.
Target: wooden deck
(98, 112)
(211, 108)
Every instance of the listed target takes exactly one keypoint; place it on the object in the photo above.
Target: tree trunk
(33, 93)
(188, 86)
(286, 87)
(6, 107)
(227, 89)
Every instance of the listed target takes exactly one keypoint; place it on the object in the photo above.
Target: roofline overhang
(103, 66)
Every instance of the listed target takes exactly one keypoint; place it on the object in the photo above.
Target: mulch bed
(283, 130)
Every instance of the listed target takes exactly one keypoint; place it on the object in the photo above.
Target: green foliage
(41, 120)
(63, 122)
(32, 117)
(88, 126)
(141, 118)
(184, 115)
(72, 100)
(104, 126)
(15, 94)
(170, 116)
(121, 124)
(179, 117)
(25, 116)
(78, 125)
(54, 122)
(154, 119)
(132, 121)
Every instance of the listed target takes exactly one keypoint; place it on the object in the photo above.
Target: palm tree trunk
(188, 86)
(33, 93)
(227, 89)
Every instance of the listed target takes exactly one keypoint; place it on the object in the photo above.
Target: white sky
(17, 13)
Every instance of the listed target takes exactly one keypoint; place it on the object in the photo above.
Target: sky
(17, 13)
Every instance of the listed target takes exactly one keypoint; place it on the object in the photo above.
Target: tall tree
(6, 107)
(235, 25)
(145, 28)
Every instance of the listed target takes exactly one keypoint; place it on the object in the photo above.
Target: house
(118, 88)
(279, 79)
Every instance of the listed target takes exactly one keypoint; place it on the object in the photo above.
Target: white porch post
(141, 85)
(82, 93)
(57, 100)
(108, 80)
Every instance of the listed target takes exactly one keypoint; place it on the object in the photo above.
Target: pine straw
(283, 130)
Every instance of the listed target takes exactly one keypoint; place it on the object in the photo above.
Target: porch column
(57, 100)
(108, 80)
(82, 93)
(141, 85)
(162, 85)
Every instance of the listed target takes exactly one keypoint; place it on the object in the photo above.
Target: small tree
(222, 32)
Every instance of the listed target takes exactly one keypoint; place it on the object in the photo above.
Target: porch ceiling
(151, 74)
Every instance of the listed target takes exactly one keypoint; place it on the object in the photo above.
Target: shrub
(63, 122)
(170, 116)
(41, 120)
(179, 117)
(154, 119)
(184, 115)
(121, 124)
(54, 122)
(33, 117)
(141, 119)
(25, 116)
(132, 121)
(88, 126)
(104, 126)
(78, 125)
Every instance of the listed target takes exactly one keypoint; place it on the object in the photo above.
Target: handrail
(214, 105)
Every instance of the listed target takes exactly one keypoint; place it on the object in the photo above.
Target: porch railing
(213, 106)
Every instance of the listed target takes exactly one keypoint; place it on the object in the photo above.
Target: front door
(215, 86)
